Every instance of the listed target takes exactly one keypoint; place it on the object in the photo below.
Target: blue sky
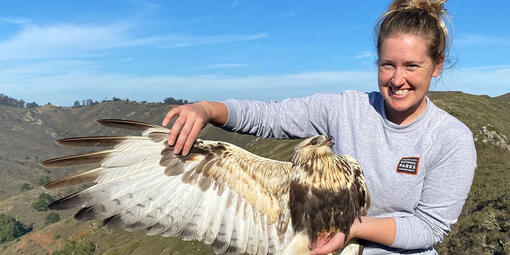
(147, 50)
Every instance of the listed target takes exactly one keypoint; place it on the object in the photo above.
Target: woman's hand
(326, 244)
(379, 230)
(191, 118)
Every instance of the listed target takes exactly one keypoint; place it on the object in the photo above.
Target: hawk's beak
(329, 141)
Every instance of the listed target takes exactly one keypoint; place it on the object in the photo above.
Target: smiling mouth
(399, 92)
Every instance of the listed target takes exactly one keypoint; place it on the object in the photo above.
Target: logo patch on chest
(408, 165)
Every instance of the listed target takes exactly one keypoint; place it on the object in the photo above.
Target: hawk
(219, 194)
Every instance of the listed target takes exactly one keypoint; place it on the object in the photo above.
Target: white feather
(222, 241)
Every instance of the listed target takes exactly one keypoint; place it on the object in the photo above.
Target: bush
(80, 247)
(25, 187)
(43, 180)
(11, 229)
(32, 105)
(51, 218)
(43, 202)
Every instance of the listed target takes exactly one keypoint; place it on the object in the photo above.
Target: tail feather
(81, 178)
(74, 160)
(96, 141)
(127, 124)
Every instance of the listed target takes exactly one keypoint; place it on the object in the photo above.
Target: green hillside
(483, 227)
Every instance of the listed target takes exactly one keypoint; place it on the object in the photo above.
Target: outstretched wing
(219, 194)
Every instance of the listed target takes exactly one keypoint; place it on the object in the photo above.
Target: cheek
(383, 77)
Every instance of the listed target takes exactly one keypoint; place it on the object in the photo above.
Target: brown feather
(74, 160)
(127, 124)
(95, 141)
(76, 179)
(60, 204)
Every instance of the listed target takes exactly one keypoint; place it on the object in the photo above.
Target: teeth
(399, 91)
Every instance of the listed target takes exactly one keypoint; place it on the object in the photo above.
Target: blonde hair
(420, 17)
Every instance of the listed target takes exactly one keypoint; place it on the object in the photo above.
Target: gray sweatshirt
(419, 174)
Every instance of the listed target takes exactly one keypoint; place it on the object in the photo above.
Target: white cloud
(220, 66)
(63, 82)
(365, 54)
(15, 20)
(177, 41)
(44, 68)
(63, 89)
(71, 41)
(475, 39)
(486, 80)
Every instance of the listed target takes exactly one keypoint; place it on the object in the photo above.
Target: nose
(398, 78)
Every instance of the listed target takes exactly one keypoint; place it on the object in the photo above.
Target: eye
(313, 141)
(412, 66)
(386, 65)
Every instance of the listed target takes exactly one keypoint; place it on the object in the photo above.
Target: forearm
(378, 230)
(218, 112)
(290, 118)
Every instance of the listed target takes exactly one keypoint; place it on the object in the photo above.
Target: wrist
(355, 229)
(216, 112)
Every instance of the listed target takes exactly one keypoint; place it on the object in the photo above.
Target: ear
(438, 67)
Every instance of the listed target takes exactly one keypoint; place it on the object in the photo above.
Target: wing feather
(219, 194)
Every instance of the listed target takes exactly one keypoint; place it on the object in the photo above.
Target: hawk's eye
(313, 141)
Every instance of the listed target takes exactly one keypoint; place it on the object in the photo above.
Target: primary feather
(220, 194)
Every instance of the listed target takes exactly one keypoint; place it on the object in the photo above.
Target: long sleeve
(445, 190)
(290, 118)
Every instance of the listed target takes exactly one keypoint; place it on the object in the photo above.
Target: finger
(320, 241)
(183, 135)
(174, 111)
(175, 130)
(193, 135)
(335, 243)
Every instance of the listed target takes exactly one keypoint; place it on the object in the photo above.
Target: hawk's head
(312, 149)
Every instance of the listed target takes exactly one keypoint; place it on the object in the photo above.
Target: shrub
(25, 187)
(43, 180)
(80, 247)
(10, 228)
(51, 218)
(43, 202)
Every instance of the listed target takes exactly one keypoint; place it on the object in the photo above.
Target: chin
(399, 107)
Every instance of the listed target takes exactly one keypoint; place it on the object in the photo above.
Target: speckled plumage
(219, 194)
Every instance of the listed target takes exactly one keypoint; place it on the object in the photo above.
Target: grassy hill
(27, 137)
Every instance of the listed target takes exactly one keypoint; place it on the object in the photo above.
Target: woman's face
(405, 72)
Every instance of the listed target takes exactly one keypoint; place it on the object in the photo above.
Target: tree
(89, 102)
(32, 105)
(51, 218)
(43, 202)
(171, 100)
(10, 228)
(9, 101)
(76, 104)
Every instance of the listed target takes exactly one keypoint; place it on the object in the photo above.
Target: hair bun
(434, 8)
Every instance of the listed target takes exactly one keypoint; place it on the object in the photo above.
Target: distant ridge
(27, 136)
(505, 97)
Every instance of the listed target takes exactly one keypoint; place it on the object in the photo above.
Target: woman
(418, 160)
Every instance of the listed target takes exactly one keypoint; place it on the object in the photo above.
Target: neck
(313, 159)
(405, 117)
